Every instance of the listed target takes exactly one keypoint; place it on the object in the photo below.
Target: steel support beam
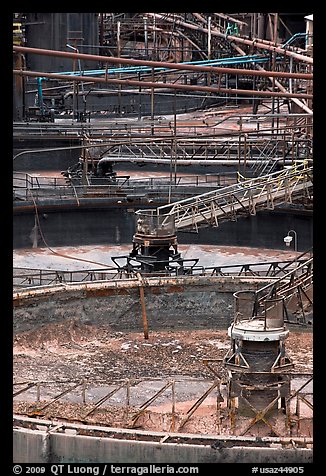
(161, 64)
(161, 85)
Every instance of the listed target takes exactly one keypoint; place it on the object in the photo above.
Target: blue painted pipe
(135, 69)
(40, 94)
(290, 40)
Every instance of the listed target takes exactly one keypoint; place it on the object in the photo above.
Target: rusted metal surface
(260, 415)
(162, 64)
(159, 85)
(102, 292)
(293, 293)
(73, 290)
(238, 39)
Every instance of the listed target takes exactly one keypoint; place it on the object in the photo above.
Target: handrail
(32, 276)
(227, 202)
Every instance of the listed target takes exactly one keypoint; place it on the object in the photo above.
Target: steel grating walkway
(245, 197)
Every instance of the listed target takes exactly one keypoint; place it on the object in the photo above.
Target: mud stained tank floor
(73, 350)
(61, 355)
(72, 258)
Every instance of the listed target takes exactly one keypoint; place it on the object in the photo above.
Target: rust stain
(105, 292)
(175, 289)
(17, 302)
(155, 290)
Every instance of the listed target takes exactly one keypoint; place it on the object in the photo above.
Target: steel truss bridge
(228, 203)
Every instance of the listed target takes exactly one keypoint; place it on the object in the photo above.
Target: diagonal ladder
(245, 197)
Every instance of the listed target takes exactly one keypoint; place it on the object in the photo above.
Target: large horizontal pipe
(157, 160)
(150, 84)
(238, 39)
(162, 64)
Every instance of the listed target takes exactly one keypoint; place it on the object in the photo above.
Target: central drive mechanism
(257, 362)
(155, 244)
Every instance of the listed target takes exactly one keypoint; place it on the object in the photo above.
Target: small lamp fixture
(287, 240)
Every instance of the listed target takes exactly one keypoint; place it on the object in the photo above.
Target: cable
(55, 252)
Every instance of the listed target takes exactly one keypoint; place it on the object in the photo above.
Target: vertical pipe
(19, 85)
(146, 37)
(85, 167)
(175, 138)
(40, 95)
(118, 41)
(170, 182)
(239, 152)
(245, 153)
(139, 99)
(154, 39)
(152, 103)
(290, 79)
(254, 26)
(261, 26)
(209, 41)
(101, 29)
(270, 27)
(119, 54)
(218, 414)
(209, 37)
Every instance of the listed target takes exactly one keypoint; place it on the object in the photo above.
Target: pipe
(279, 85)
(256, 42)
(191, 161)
(209, 38)
(40, 95)
(160, 64)
(151, 84)
(296, 35)
(100, 169)
(144, 69)
(293, 97)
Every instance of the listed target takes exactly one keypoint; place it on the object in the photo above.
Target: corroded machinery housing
(155, 243)
(257, 361)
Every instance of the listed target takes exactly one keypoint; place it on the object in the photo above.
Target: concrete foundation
(195, 302)
(41, 446)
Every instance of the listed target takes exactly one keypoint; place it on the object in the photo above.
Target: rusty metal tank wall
(76, 226)
(53, 31)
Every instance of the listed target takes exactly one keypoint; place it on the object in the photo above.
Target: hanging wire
(55, 252)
